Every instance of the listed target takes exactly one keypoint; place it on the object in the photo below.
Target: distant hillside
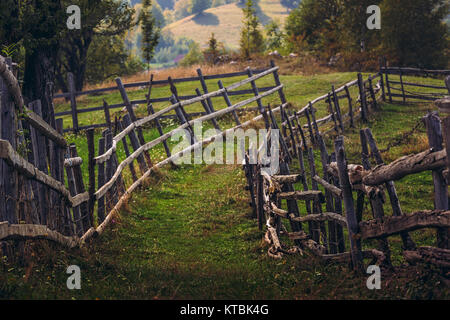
(225, 21)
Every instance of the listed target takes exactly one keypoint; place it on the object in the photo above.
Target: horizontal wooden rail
(8, 153)
(427, 160)
(141, 122)
(35, 231)
(409, 222)
(160, 82)
(406, 71)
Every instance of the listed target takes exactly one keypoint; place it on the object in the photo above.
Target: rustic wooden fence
(337, 187)
(200, 78)
(406, 89)
(39, 201)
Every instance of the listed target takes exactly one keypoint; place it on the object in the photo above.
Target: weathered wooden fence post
(350, 107)
(408, 243)
(362, 95)
(386, 71)
(91, 168)
(435, 141)
(73, 101)
(133, 118)
(228, 102)
(352, 222)
(101, 182)
(8, 177)
(338, 108)
(79, 184)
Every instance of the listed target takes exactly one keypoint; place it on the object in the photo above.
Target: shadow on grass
(206, 19)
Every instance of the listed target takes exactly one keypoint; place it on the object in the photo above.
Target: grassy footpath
(188, 234)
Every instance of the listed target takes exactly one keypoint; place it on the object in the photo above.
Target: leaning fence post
(79, 184)
(387, 79)
(338, 108)
(352, 222)
(401, 83)
(107, 114)
(91, 168)
(256, 93)
(383, 93)
(133, 118)
(278, 83)
(435, 141)
(73, 101)
(101, 182)
(362, 96)
(228, 102)
(350, 107)
(408, 243)
(205, 89)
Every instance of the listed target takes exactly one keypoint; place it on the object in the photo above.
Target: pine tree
(150, 32)
(252, 40)
(213, 47)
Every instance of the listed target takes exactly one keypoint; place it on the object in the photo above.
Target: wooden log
(321, 217)
(43, 127)
(227, 101)
(362, 95)
(71, 162)
(73, 101)
(79, 184)
(430, 255)
(331, 188)
(408, 222)
(33, 231)
(352, 223)
(435, 142)
(427, 160)
(292, 178)
(101, 182)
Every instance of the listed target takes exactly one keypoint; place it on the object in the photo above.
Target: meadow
(188, 233)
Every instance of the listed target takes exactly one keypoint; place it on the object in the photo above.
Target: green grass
(188, 233)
